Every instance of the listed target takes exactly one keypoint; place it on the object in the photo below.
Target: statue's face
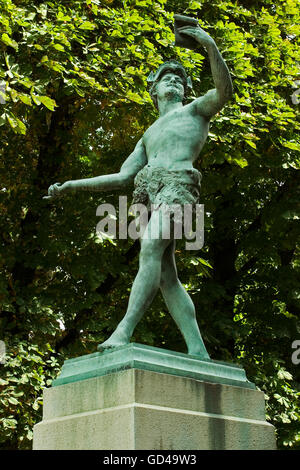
(170, 85)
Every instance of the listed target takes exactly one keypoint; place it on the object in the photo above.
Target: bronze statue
(161, 167)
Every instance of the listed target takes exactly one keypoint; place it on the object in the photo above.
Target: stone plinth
(116, 401)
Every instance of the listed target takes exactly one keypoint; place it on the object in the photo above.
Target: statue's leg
(180, 304)
(147, 281)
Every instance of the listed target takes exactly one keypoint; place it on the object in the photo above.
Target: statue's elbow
(125, 179)
(226, 97)
(225, 94)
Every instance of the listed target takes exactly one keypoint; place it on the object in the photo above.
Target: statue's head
(167, 70)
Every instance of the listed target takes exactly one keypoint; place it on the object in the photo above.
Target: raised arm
(214, 100)
(135, 162)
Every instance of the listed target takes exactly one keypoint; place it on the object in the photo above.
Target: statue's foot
(199, 351)
(118, 338)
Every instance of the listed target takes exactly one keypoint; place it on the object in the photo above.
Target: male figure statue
(161, 167)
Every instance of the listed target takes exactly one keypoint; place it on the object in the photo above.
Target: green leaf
(26, 99)
(251, 143)
(16, 124)
(134, 97)
(87, 25)
(14, 95)
(59, 47)
(292, 145)
(13, 401)
(10, 423)
(205, 262)
(35, 99)
(8, 41)
(240, 161)
(48, 102)
(2, 119)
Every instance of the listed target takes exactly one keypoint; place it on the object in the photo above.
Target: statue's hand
(56, 190)
(197, 33)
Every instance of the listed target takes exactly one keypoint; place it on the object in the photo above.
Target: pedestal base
(143, 409)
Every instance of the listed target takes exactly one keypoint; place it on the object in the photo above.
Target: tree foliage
(76, 102)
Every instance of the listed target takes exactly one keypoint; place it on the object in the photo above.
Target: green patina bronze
(165, 154)
(138, 356)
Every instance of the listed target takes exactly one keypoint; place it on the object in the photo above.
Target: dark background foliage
(76, 102)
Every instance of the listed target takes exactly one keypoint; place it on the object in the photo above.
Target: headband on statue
(170, 66)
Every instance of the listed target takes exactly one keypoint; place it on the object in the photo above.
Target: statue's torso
(175, 140)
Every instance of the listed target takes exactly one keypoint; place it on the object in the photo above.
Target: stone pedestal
(138, 397)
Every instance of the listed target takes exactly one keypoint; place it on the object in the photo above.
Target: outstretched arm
(214, 100)
(135, 162)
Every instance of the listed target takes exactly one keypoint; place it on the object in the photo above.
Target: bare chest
(180, 130)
